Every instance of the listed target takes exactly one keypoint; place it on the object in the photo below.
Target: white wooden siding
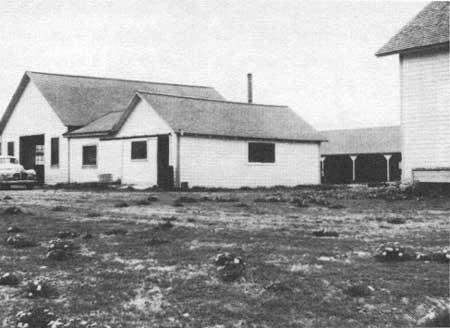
(213, 162)
(31, 116)
(144, 120)
(78, 172)
(140, 171)
(425, 115)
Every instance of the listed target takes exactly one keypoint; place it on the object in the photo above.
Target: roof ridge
(366, 128)
(206, 99)
(119, 79)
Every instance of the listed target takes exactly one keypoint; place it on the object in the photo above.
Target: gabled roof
(206, 117)
(384, 139)
(79, 100)
(429, 28)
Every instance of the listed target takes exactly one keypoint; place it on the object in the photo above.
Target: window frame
(54, 153)
(89, 165)
(260, 158)
(11, 146)
(133, 154)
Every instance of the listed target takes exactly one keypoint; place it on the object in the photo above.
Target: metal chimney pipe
(249, 88)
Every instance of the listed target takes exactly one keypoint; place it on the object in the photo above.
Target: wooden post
(353, 158)
(388, 168)
(322, 167)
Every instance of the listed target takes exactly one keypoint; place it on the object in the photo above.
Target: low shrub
(229, 267)
(66, 234)
(358, 290)
(35, 318)
(152, 198)
(299, 202)
(87, 236)
(93, 214)
(186, 199)
(12, 210)
(442, 256)
(19, 241)
(325, 233)
(60, 250)
(336, 206)
(437, 316)
(392, 253)
(156, 242)
(7, 198)
(277, 287)
(9, 279)
(271, 199)
(39, 289)
(121, 204)
(178, 203)
(15, 229)
(116, 231)
(60, 208)
(396, 220)
(166, 224)
(143, 202)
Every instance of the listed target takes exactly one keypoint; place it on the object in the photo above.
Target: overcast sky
(316, 57)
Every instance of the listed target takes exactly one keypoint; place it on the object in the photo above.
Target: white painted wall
(78, 172)
(115, 155)
(33, 115)
(212, 162)
(425, 114)
(140, 171)
(144, 120)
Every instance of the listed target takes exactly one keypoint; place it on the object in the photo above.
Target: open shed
(365, 155)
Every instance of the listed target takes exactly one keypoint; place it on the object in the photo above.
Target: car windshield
(8, 160)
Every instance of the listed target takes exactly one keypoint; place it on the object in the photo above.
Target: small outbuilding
(367, 155)
(86, 129)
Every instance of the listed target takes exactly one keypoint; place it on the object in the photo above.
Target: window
(89, 155)
(54, 151)
(0, 148)
(139, 150)
(11, 148)
(259, 152)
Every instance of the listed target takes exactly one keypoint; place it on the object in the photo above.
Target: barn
(75, 129)
(367, 155)
(423, 49)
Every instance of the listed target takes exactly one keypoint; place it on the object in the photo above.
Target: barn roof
(429, 28)
(79, 100)
(206, 117)
(384, 139)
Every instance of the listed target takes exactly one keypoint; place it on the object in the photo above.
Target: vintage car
(11, 172)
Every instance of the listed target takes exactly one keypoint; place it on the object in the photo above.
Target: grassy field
(149, 274)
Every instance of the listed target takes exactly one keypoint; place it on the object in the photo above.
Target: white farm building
(423, 48)
(75, 129)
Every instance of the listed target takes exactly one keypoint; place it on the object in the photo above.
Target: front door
(165, 171)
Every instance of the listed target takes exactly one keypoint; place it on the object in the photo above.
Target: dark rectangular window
(90, 155)
(259, 152)
(55, 151)
(11, 148)
(139, 150)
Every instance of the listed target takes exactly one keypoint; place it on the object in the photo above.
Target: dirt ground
(154, 275)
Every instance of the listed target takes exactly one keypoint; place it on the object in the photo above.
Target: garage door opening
(32, 154)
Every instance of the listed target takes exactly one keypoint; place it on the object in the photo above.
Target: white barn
(423, 48)
(75, 129)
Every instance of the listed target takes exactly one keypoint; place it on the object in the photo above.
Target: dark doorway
(338, 169)
(32, 154)
(165, 171)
